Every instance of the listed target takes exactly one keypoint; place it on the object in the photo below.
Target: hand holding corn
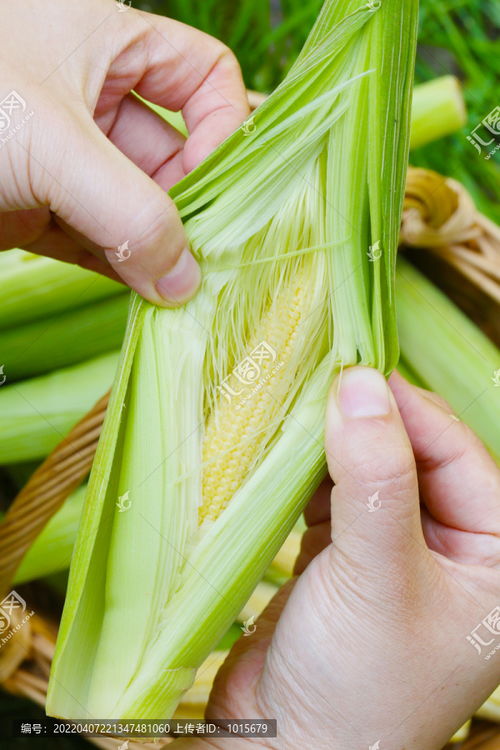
(84, 163)
(394, 580)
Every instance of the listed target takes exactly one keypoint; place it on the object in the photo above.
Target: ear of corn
(50, 286)
(59, 341)
(36, 414)
(51, 551)
(281, 218)
(438, 109)
(449, 354)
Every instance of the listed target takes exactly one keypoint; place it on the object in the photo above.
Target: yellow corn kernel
(234, 431)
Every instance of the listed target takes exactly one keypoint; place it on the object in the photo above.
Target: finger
(22, 227)
(459, 481)
(188, 70)
(318, 509)
(375, 502)
(103, 196)
(150, 142)
(460, 546)
(317, 517)
(314, 541)
(36, 231)
(55, 243)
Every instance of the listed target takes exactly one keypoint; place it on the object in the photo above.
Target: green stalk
(449, 353)
(281, 218)
(35, 415)
(63, 340)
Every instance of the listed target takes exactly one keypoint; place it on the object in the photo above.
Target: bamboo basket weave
(442, 231)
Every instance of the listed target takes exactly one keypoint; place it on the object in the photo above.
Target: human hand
(85, 165)
(369, 645)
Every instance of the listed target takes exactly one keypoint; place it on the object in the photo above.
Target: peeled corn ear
(213, 440)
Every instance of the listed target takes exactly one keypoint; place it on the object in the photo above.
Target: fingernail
(182, 281)
(363, 392)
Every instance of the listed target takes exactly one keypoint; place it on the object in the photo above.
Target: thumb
(100, 194)
(375, 502)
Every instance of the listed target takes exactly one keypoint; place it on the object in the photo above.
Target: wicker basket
(444, 234)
